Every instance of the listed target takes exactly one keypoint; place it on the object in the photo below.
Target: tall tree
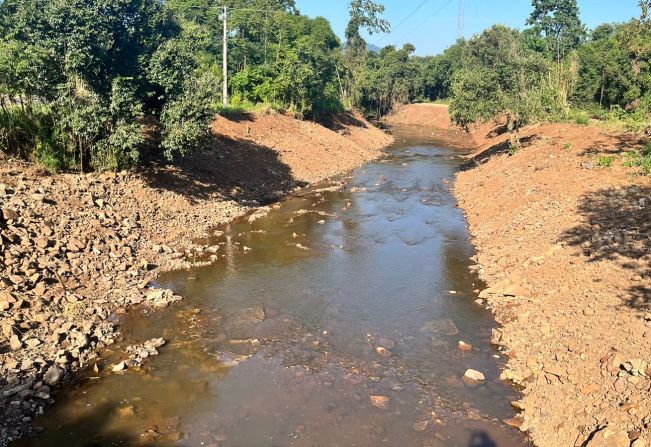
(558, 21)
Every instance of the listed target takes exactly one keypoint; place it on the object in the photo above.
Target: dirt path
(565, 247)
(77, 249)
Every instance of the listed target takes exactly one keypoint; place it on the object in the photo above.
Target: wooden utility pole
(225, 57)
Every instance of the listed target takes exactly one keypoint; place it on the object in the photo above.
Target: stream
(337, 325)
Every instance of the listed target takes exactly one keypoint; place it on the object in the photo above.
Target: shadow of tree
(624, 143)
(229, 168)
(237, 115)
(342, 121)
(503, 147)
(89, 430)
(617, 227)
(481, 439)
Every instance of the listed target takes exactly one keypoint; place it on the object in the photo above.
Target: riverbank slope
(563, 236)
(77, 249)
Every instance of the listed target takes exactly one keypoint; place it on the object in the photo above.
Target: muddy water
(344, 295)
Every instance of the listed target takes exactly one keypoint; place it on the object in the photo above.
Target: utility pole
(225, 57)
(461, 17)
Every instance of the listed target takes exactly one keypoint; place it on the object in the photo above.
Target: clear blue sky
(433, 27)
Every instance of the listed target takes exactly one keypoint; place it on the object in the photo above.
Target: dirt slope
(565, 247)
(76, 248)
(430, 115)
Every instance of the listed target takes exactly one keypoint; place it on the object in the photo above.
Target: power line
(410, 15)
(427, 19)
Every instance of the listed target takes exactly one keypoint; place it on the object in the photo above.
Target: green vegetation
(641, 159)
(87, 85)
(605, 161)
(555, 70)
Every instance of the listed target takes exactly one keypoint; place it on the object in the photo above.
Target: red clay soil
(563, 241)
(74, 248)
(432, 115)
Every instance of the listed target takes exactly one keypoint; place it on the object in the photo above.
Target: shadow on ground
(229, 168)
(503, 147)
(88, 430)
(617, 228)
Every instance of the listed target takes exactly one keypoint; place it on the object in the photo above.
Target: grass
(605, 161)
(567, 146)
(641, 159)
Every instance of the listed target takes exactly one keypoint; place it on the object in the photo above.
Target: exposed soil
(564, 245)
(434, 116)
(77, 250)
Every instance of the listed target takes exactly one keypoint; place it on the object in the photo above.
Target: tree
(500, 77)
(558, 21)
(364, 14)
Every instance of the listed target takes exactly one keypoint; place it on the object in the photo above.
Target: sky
(433, 27)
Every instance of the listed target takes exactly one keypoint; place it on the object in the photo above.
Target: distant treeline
(555, 69)
(104, 84)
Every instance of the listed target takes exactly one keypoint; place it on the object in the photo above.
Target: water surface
(344, 295)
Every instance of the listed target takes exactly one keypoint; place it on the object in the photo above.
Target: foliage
(500, 76)
(84, 74)
(389, 77)
(558, 23)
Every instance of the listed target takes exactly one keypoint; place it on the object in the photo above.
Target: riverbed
(334, 320)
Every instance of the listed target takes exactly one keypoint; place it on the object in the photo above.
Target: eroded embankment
(76, 249)
(565, 246)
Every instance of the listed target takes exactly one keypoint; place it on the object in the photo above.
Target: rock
(474, 375)
(420, 425)
(635, 367)
(125, 412)
(620, 385)
(441, 327)
(463, 346)
(119, 367)
(9, 214)
(53, 376)
(496, 336)
(14, 343)
(381, 402)
(609, 437)
(383, 352)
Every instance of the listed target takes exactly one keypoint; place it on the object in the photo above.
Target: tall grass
(29, 133)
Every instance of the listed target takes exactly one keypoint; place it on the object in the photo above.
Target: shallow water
(277, 346)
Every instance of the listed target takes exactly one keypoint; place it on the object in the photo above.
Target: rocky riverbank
(78, 250)
(563, 230)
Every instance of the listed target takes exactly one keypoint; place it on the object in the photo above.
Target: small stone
(14, 343)
(383, 352)
(381, 402)
(119, 367)
(465, 347)
(53, 376)
(421, 425)
(125, 412)
(474, 375)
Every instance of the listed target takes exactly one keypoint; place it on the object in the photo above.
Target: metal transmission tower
(460, 23)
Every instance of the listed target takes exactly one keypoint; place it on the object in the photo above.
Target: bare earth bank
(76, 250)
(564, 242)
